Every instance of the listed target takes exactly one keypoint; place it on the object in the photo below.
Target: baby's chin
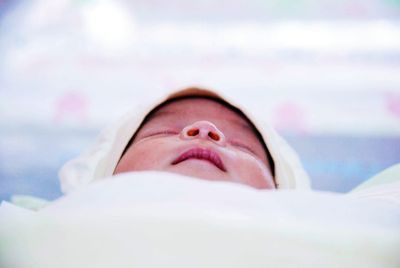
(200, 169)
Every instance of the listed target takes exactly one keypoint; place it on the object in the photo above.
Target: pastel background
(326, 72)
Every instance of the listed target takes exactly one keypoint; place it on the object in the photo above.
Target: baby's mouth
(201, 154)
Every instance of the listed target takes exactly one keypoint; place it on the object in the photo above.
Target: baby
(201, 137)
(151, 209)
(192, 132)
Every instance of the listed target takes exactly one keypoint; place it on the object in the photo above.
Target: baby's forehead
(189, 106)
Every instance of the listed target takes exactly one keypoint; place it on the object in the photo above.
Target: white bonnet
(100, 160)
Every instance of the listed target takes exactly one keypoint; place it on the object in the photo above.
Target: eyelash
(240, 145)
(163, 132)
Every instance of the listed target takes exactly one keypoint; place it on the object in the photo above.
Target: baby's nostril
(213, 136)
(193, 132)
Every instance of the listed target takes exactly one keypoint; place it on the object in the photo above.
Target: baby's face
(200, 138)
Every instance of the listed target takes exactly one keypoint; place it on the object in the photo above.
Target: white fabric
(384, 186)
(382, 179)
(154, 219)
(100, 160)
(158, 219)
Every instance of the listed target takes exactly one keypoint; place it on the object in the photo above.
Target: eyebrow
(158, 114)
(246, 126)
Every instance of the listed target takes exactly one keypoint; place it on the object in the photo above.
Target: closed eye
(161, 133)
(243, 147)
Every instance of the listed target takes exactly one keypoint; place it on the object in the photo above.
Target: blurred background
(326, 73)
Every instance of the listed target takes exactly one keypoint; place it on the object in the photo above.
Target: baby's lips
(202, 154)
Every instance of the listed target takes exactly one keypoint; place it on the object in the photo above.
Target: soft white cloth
(154, 219)
(158, 219)
(100, 160)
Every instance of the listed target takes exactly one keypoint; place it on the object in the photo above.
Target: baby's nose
(204, 130)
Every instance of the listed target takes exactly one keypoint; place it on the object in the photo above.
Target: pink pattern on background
(356, 9)
(71, 105)
(392, 101)
(290, 117)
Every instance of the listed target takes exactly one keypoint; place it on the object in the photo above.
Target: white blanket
(152, 219)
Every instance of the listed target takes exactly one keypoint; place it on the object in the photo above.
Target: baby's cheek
(251, 171)
(145, 156)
